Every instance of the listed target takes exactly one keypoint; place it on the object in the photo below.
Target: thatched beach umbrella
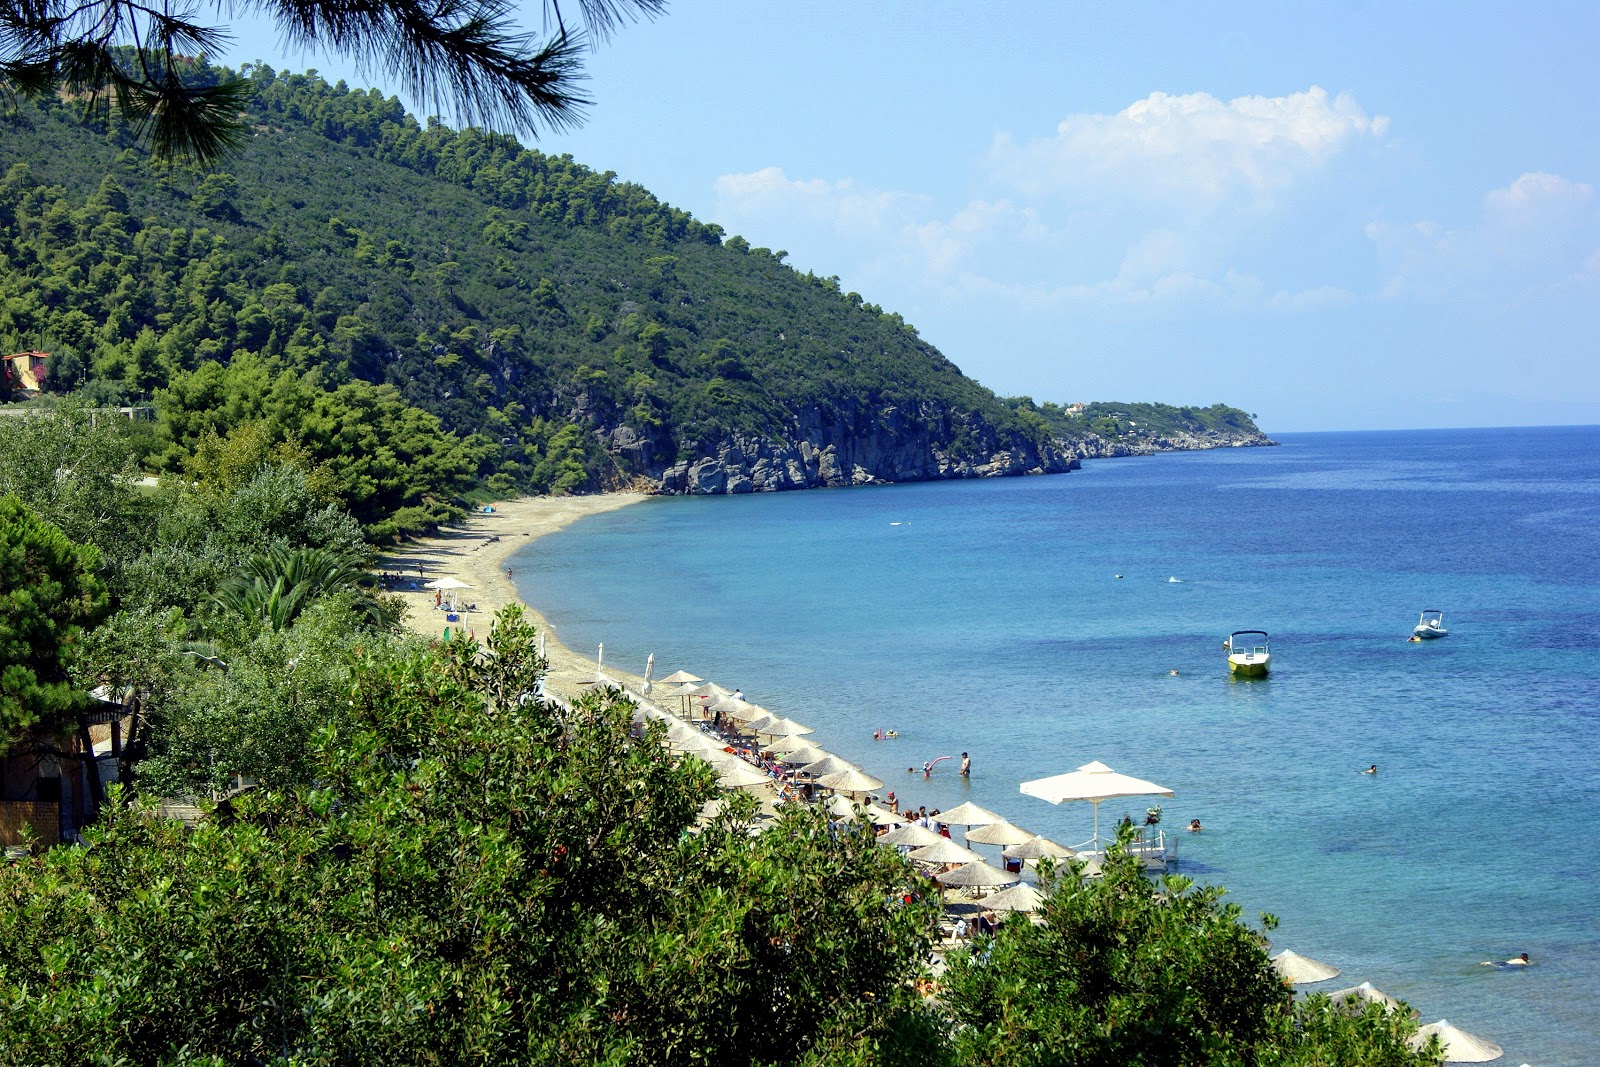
(755, 724)
(912, 835)
(1020, 897)
(977, 873)
(1358, 996)
(737, 774)
(680, 678)
(1459, 1046)
(798, 754)
(1302, 970)
(828, 764)
(786, 727)
(997, 833)
(968, 814)
(946, 851)
(850, 781)
(1038, 848)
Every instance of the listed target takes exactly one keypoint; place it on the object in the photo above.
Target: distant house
(44, 783)
(28, 371)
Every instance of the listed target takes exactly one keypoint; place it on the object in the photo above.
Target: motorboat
(1430, 624)
(1248, 653)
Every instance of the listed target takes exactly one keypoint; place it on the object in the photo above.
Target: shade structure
(1459, 1046)
(679, 678)
(1367, 993)
(946, 851)
(679, 731)
(1093, 782)
(998, 833)
(733, 773)
(1020, 897)
(850, 781)
(756, 723)
(798, 754)
(975, 874)
(839, 807)
(828, 764)
(786, 727)
(446, 583)
(715, 691)
(912, 835)
(968, 814)
(1037, 848)
(878, 815)
(1302, 970)
(699, 745)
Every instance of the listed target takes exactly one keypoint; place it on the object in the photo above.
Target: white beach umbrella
(1093, 782)
(997, 833)
(1302, 970)
(1037, 848)
(1020, 897)
(446, 584)
(1366, 993)
(850, 781)
(912, 835)
(1459, 1046)
(968, 814)
(946, 851)
(977, 873)
(649, 669)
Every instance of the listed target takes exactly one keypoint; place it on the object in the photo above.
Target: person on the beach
(966, 766)
(508, 569)
(438, 598)
(738, 694)
(894, 805)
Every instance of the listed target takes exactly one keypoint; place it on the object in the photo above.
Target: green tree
(273, 588)
(1122, 969)
(476, 876)
(48, 596)
(139, 58)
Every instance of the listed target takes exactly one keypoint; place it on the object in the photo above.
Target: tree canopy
(141, 58)
(49, 595)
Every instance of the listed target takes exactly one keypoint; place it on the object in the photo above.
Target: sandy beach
(475, 551)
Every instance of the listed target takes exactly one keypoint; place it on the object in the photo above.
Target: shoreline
(476, 550)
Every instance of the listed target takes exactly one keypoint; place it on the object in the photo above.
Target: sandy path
(475, 551)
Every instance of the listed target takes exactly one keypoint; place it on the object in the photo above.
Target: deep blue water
(990, 621)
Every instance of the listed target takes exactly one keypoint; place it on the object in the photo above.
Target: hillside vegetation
(425, 311)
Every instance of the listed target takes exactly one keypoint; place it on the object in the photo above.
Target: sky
(1334, 215)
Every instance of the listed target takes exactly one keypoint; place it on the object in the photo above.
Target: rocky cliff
(830, 447)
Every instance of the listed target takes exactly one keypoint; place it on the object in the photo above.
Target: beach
(475, 551)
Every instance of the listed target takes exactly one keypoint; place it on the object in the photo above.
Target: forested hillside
(589, 333)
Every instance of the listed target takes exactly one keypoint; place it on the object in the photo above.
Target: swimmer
(1173, 672)
(891, 733)
(1116, 576)
(1371, 770)
(1194, 826)
(1520, 960)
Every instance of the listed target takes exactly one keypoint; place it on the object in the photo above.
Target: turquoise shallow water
(990, 622)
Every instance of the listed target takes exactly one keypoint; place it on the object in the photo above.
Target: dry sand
(475, 551)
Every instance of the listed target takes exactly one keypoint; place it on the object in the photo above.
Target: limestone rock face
(831, 447)
(847, 445)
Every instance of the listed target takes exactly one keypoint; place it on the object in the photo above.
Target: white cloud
(1192, 147)
(1150, 205)
(1539, 232)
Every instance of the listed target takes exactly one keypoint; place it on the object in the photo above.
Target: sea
(1040, 623)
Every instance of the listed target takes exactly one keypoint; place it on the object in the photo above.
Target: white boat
(1430, 625)
(1247, 657)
